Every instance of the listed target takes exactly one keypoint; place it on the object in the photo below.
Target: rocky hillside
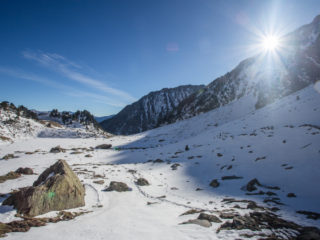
(20, 123)
(149, 110)
(70, 119)
(263, 78)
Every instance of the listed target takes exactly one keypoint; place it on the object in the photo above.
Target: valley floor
(278, 145)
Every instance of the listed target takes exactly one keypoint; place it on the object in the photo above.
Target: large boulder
(57, 188)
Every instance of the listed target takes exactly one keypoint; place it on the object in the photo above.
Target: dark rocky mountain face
(148, 111)
(263, 78)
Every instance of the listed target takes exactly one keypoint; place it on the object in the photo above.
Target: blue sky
(102, 55)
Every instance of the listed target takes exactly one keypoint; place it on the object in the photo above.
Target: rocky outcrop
(57, 188)
(8, 156)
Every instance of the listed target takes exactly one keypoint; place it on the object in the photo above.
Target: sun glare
(270, 43)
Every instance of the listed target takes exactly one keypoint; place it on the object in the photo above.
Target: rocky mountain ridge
(146, 112)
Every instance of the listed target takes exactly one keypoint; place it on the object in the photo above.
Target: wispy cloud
(17, 73)
(73, 72)
(71, 91)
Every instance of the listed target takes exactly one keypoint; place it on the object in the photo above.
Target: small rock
(309, 214)
(104, 146)
(9, 176)
(225, 215)
(118, 187)
(209, 217)
(99, 182)
(251, 185)
(76, 152)
(191, 211)
(57, 149)
(88, 155)
(214, 183)
(175, 166)
(158, 161)
(8, 156)
(200, 222)
(230, 177)
(269, 193)
(142, 182)
(26, 171)
(291, 195)
(219, 154)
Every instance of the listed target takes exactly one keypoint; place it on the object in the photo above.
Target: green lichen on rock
(57, 188)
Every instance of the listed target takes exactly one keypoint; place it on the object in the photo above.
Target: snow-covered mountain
(262, 78)
(149, 110)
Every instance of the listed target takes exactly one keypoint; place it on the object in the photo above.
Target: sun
(270, 43)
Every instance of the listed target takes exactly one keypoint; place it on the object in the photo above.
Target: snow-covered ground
(279, 145)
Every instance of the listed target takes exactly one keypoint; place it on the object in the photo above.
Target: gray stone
(57, 188)
(118, 187)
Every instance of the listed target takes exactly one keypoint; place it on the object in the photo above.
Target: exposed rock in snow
(57, 188)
